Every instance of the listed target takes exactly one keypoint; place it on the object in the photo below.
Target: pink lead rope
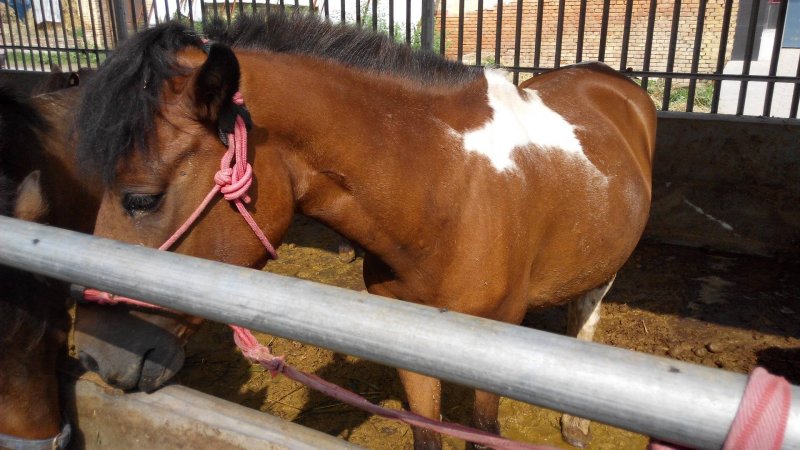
(234, 183)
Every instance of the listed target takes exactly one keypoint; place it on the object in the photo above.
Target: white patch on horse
(519, 122)
(583, 313)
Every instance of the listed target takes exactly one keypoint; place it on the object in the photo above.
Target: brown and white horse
(465, 191)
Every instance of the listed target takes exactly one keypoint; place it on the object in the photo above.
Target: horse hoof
(347, 253)
(575, 430)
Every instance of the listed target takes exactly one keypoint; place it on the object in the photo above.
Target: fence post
(427, 25)
(120, 19)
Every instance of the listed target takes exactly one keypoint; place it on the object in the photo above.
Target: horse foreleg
(424, 398)
(583, 314)
(484, 415)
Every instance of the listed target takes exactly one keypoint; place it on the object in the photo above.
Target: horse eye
(141, 203)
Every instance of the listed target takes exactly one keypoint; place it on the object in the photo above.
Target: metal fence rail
(716, 56)
(679, 402)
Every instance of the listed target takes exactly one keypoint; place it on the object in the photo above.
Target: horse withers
(465, 191)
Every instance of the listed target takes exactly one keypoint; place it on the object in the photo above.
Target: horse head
(149, 121)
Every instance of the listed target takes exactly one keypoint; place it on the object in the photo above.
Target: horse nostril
(88, 362)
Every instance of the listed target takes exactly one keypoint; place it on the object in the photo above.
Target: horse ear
(31, 203)
(215, 83)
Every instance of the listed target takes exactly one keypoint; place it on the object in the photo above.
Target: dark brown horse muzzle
(129, 348)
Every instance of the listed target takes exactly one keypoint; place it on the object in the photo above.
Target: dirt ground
(721, 310)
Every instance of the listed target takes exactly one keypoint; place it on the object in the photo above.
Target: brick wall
(709, 47)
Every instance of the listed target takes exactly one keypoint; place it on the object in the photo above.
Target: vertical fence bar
(408, 22)
(391, 18)
(648, 45)
(748, 55)
(358, 12)
(56, 44)
(537, 50)
(101, 12)
(85, 48)
(479, 36)
(776, 52)
(3, 35)
(626, 36)
(93, 41)
(498, 32)
(66, 37)
(20, 51)
(374, 15)
(134, 21)
(167, 15)
(11, 37)
(460, 48)
(581, 32)
(601, 52)
(443, 29)
(38, 40)
(673, 43)
(120, 19)
(74, 35)
(559, 33)
(342, 14)
(723, 52)
(426, 19)
(795, 95)
(517, 42)
(28, 35)
(326, 9)
(698, 42)
(191, 12)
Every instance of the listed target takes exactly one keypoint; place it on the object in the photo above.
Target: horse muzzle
(128, 348)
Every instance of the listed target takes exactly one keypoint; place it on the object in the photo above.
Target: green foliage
(679, 95)
(36, 60)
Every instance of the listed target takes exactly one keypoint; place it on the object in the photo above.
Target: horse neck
(338, 129)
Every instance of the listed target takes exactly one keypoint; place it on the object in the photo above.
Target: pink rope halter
(234, 182)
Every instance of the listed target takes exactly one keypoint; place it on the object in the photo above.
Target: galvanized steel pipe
(671, 400)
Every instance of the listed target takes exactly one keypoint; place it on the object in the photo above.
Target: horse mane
(308, 34)
(120, 103)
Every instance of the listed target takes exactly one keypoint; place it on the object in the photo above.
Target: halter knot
(234, 187)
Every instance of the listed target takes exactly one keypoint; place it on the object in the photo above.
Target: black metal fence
(715, 56)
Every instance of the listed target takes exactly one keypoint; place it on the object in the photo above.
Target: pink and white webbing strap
(760, 422)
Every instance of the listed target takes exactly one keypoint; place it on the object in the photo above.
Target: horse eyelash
(134, 203)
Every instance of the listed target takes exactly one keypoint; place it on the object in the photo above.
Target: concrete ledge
(178, 417)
